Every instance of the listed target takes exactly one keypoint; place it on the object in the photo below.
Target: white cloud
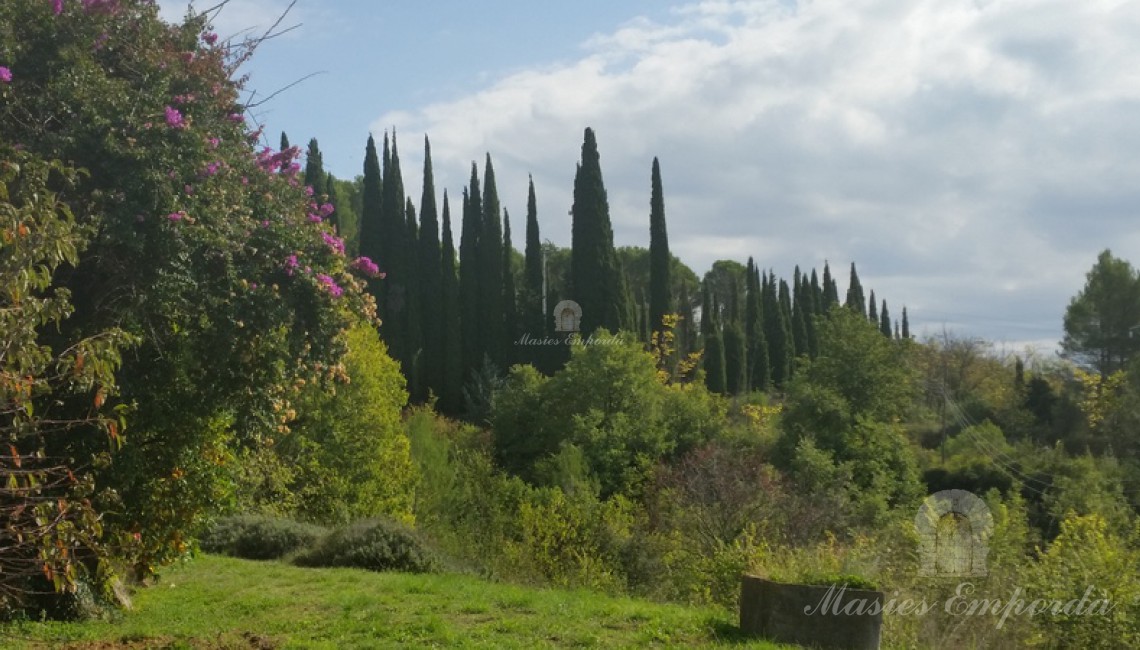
(969, 154)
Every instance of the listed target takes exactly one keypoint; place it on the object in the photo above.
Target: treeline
(455, 322)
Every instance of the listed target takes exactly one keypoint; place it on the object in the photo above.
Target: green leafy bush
(256, 537)
(374, 544)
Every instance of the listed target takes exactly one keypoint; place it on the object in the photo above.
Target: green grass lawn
(217, 602)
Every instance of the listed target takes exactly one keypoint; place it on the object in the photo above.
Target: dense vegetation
(190, 335)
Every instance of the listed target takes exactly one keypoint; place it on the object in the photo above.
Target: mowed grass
(216, 602)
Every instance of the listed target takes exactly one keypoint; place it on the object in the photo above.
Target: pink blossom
(214, 142)
(334, 242)
(176, 216)
(189, 189)
(367, 267)
(236, 117)
(174, 118)
(330, 285)
(57, 6)
(327, 209)
(291, 264)
(308, 190)
(210, 38)
(5, 75)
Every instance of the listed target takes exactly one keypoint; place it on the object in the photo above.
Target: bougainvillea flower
(5, 75)
(330, 284)
(367, 267)
(174, 118)
(57, 6)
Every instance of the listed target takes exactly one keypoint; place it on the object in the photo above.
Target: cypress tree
(776, 330)
(413, 327)
(660, 261)
(393, 219)
(315, 170)
(816, 294)
(371, 230)
(905, 325)
(470, 316)
(873, 309)
(885, 321)
(810, 308)
(595, 277)
(798, 318)
(735, 349)
(510, 324)
(754, 330)
(785, 305)
(451, 392)
(284, 141)
(898, 332)
(533, 316)
(830, 290)
(333, 200)
(715, 378)
(491, 269)
(855, 299)
(430, 273)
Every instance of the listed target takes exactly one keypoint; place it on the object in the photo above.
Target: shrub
(256, 537)
(374, 544)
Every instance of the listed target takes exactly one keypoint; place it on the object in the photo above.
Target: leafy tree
(660, 261)
(51, 531)
(595, 275)
(348, 446)
(205, 249)
(1102, 321)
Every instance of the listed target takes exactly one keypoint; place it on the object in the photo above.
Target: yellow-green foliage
(1087, 558)
(353, 457)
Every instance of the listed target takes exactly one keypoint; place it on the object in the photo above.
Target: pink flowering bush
(204, 246)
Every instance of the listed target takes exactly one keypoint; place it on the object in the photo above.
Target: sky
(972, 157)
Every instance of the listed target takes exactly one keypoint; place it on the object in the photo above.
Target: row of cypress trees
(451, 315)
(755, 347)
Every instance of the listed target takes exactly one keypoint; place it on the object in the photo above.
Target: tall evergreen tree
(532, 313)
(885, 321)
(777, 331)
(758, 374)
(371, 229)
(413, 326)
(715, 378)
(816, 295)
(830, 290)
(471, 306)
(785, 304)
(595, 277)
(735, 349)
(284, 141)
(798, 317)
(855, 299)
(491, 269)
(394, 228)
(451, 391)
(430, 273)
(333, 200)
(810, 307)
(905, 325)
(315, 170)
(510, 324)
(660, 261)
(872, 309)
